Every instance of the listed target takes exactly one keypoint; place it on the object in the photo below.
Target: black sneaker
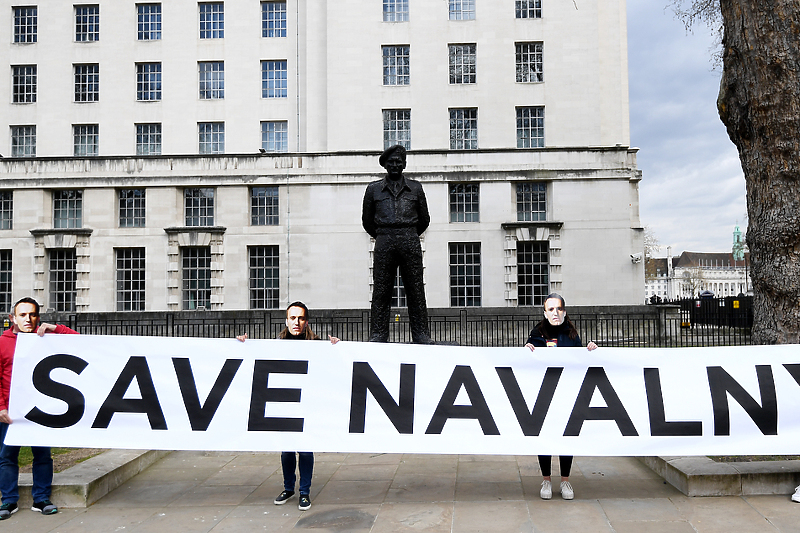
(283, 497)
(305, 502)
(7, 509)
(44, 507)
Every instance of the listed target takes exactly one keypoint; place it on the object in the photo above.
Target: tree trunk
(759, 103)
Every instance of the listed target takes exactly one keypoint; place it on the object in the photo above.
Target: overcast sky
(692, 192)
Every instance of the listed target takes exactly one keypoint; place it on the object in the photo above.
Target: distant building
(689, 274)
(164, 156)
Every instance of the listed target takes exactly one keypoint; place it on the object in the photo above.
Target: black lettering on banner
(462, 377)
(76, 403)
(200, 416)
(765, 415)
(596, 378)
(659, 426)
(401, 413)
(794, 370)
(261, 394)
(135, 368)
(530, 423)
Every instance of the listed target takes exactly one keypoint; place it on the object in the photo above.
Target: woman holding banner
(556, 330)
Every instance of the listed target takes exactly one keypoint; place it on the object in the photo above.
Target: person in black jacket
(555, 330)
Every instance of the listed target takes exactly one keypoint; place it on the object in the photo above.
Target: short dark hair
(301, 305)
(557, 297)
(26, 300)
(389, 152)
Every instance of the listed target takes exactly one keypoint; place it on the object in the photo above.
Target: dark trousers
(564, 462)
(288, 464)
(400, 249)
(9, 471)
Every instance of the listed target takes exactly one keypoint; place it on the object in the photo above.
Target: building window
(275, 136)
(149, 19)
(87, 23)
(529, 62)
(462, 63)
(67, 209)
(396, 65)
(273, 19)
(130, 279)
(196, 262)
(397, 128)
(395, 10)
(264, 277)
(531, 202)
(264, 206)
(148, 81)
(198, 206)
(131, 208)
(6, 209)
(23, 141)
(533, 284)
(25, 24)
(212, 21)
(464, 203)
(63, 274)
(463, 129)
(23, 84)
(5, 281)
(274, 75)
(529, 9)
(85, 140)
(211, 137)
(462, 9)
(530, 127)
(212, 80)
(399, 291)
(148, 139)
(87, 83)
(465, 274)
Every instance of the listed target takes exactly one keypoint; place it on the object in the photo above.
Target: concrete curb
(701, 476)
(87, 482)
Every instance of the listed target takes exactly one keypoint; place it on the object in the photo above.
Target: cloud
(692, 193)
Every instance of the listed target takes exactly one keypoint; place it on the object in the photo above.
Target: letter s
(71, 396)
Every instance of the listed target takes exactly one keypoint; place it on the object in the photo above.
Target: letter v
(530, 423)
(200, 416)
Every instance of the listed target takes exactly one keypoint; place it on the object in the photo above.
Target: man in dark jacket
(24, 319)
(395, 214)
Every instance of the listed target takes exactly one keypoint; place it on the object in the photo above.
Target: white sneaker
(796, 495)
(547, 490)
(566, 490)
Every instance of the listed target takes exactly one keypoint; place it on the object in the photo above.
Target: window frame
(211, 138)
(63, 277)
(531, 203)
(461, 10)
(463, 128)
(275, 136)
(264, 270)
(212, 20)
(462, 59)
(6, 280)
(530, 127)
(274, 78)
(148, 21)
(265, 205)
(198, 206)
(148, 142)
(130, 278)
(395, 11)
(85, 140)
(24, 84)
(148, 81)
(396, 65)
(465, 276)
(195, 270)
(396, 128)
(87, 82)
(132, 208)
(273, 19)
(26, 24)
(88, 29)
(67, 208)
(26, 133)
(531, 293)
(528, 9)
(211, 80)
(464, 202)
(6, 209)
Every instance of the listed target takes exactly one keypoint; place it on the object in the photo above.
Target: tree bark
(759, 103)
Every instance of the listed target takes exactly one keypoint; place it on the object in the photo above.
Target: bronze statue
(395, 213)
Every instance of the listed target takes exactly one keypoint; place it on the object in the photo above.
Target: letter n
(401, 414)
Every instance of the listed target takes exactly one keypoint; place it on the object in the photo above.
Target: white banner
(270, 395)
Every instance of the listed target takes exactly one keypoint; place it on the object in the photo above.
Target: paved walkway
(233, 492)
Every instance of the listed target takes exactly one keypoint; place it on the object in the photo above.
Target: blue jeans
(288, 464)
(9, 471)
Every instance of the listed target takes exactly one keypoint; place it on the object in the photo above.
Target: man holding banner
(24, 318)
